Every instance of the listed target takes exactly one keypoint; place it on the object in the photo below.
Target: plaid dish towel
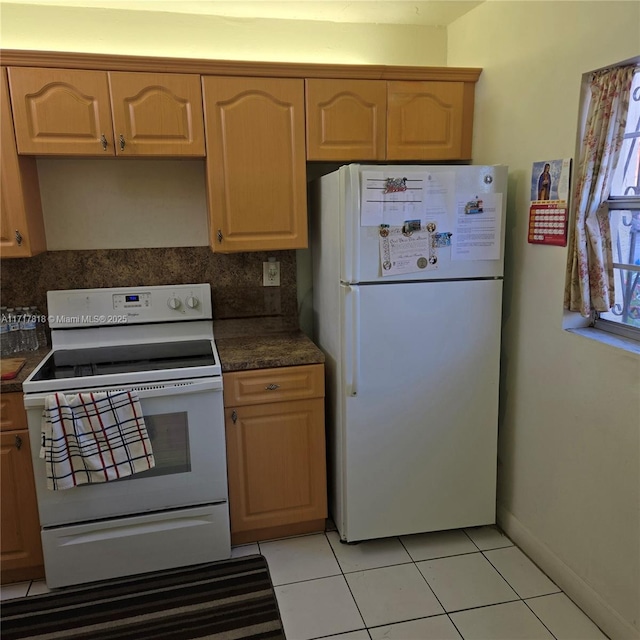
(93, 437)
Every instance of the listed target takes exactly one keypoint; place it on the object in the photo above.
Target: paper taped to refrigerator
(406, 252)
(391, 199)
(439, 190)
(477, 234)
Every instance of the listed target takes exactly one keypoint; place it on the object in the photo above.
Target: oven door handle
(144, 391)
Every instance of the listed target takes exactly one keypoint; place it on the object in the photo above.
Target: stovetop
(119, 359)
(127, 336)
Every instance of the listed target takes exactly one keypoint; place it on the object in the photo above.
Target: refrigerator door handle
(353, 341)
(352, 200)
(355, 190)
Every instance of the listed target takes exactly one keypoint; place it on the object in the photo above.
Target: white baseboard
(609, 620)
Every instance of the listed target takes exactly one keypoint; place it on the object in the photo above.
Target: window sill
(610, 339)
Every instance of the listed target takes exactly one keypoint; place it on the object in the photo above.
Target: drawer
(260, 386)
(12, 413)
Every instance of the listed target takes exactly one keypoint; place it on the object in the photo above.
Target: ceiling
(422, 12)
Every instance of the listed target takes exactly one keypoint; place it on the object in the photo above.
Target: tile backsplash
(236, 279)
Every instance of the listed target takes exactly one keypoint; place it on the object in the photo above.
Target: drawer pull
(272, 387)
(18, 442)
(234, 416)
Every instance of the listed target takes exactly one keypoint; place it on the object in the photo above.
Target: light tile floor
(472, 584)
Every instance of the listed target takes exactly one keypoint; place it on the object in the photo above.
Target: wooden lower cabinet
(275, 452)
(20, 546)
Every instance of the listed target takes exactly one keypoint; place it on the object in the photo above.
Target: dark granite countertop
(284, 349)
(34, 358)
(241, 346)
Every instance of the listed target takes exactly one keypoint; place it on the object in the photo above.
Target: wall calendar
(548, 223)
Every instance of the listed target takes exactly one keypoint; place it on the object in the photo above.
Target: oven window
(169, 435)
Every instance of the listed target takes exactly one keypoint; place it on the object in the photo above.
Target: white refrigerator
(412, 359)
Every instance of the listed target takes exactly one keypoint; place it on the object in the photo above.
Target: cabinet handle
(272, 387)
(122, 142)
(18, 238)
(18, 442)
(219, 234)
(234, 416)
(103, 141)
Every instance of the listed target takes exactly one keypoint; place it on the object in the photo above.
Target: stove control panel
(131, 300)
(129, 305)
(190, 301)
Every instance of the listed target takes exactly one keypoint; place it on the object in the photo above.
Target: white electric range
(157, 341)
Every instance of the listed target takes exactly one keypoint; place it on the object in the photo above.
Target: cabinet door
(276, 464)
(61, 111)
(20, 546)
(256, 172)
(429, 120)
(346, 119)
(21, 224)
(157, 114)
(13, 416)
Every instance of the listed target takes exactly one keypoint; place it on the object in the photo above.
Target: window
(624, 220)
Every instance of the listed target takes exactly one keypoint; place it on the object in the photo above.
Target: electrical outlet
(271, 274)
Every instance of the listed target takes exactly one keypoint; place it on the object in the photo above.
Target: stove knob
(192, 302)
(174, 303)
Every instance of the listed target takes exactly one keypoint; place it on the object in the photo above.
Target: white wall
(569, 474)
(196, 36)
(123, 203)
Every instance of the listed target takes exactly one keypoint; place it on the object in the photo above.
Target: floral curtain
(589, 285)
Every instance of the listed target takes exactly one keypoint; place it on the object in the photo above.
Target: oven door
(185, 422)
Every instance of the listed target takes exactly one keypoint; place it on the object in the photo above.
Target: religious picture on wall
(544, 183)
(550, 180)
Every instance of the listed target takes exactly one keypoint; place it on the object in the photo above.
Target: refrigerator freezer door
(415, 429)
(361, 261)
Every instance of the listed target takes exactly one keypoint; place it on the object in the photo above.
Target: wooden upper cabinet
(346, 119)
(61, 111)
(256, 171)
(351, 120)
(21, 224)
(98, 113)
(157, 114)
(429, 120)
